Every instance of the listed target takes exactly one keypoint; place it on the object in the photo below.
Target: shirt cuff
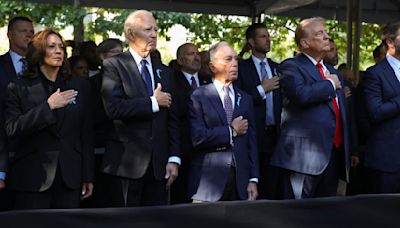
(174, 159)
(261, 91)
(255, 180)
(333, 84)
(2, 175)
(230, 135)
(154, 104)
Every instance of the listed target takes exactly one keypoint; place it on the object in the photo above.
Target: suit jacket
(7, 74)
(101, 123)
(248, 81)
(211, 159)
(8, 68)
(381, 90)
(182, 93)
(50, 140)
(138, 136)
(308, 118)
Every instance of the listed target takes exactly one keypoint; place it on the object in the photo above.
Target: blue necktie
(146, 77)
(269, 117)
(24, 66)
(193, 85)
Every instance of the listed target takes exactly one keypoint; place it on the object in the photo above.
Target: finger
(170, 181)
(158, 87)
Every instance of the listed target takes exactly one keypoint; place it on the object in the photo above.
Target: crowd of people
(210, 127)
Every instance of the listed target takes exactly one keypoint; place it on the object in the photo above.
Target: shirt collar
(189, 76)
(138, 58)
(257, 61)
(220, 87)
(394, 63)
(15, 57)
(315, 61)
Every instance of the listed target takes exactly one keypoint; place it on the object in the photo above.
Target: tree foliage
(203, 29)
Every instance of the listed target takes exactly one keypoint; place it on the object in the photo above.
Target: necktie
(24, 66)
(269, 117)
(193, 84)
(338, 138)
(228, 105)
(146, 77)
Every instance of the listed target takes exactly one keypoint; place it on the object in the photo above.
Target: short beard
(261, 50)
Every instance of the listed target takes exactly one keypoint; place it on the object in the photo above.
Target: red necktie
(338, 138)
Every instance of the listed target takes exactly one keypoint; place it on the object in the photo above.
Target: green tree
(203, 29)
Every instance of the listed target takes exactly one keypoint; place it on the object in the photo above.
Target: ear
(304, 43)
(212, 67)
(130, 34)
(389, 42)
(179, 61)
(251, 42)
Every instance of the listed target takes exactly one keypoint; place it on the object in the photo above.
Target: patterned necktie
(269, 117)
(338, 138)
(228, 105)
(24, 66)
(146, 77)
(193, 84)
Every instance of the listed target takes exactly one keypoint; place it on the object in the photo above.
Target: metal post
(357, 41)
(349, 17)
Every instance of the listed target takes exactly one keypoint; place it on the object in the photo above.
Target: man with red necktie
(314, 142)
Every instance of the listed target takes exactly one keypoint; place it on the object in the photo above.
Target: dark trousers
(58, 196)
(382, 182)
(179, 190)
(269, 175)
(144, 191)
(230, 191)
(301, 186)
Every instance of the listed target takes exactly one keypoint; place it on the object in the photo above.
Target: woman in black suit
(48, 111)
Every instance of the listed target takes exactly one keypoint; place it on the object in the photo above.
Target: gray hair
(130, 22)
(214, 48)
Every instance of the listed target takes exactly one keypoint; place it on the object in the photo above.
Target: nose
(326, 36)
(59, 49)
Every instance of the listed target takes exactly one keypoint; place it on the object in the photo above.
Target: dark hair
(73, 60)
(390, 31)
(377, 51)
(37, 51)
(14, 20)
(109, 44)
(342, 66)
(251, 30)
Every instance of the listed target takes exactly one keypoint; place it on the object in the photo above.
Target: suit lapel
(132, 75)
(253, 71)
(238, 100)
(309, 67)
(36, 91)
(215, 100)
(203, 80)
(183, 82)
(390, 75)
(64, 85)
(9, 66)
(157, 72)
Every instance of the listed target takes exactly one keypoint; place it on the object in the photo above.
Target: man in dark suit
(20, 32)
(142, 153)
(258, 77)
(185, 82)
(314, 143)
(224, 165)
(381, 89)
